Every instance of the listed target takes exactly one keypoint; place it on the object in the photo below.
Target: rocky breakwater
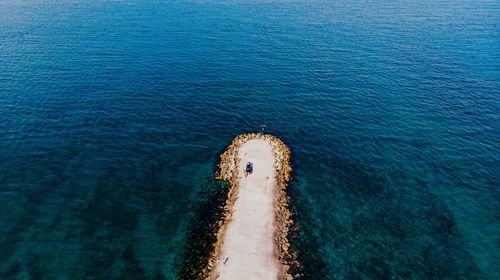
(228, 171)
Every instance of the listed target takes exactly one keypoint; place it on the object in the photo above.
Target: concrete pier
(252, 242)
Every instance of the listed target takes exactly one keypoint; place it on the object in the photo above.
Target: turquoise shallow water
(113, 114)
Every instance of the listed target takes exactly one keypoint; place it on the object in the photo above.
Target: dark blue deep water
(113, 114)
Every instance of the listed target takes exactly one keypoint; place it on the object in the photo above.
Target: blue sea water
(114, 113)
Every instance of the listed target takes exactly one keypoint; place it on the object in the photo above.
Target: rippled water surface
(113, 114)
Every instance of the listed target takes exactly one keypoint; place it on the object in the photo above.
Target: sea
(113, 114)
